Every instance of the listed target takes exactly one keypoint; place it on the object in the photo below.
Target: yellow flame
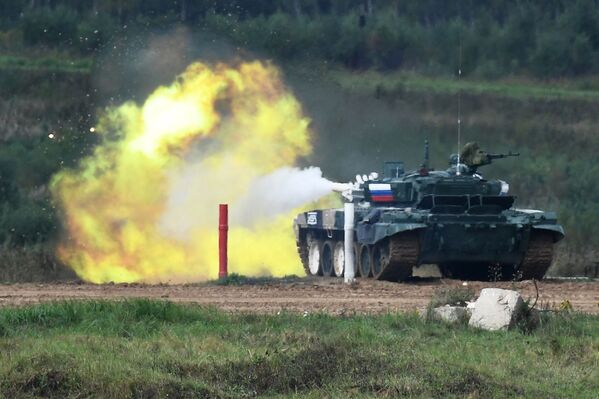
(242, 121)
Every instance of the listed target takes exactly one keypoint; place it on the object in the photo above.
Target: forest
(544, 39)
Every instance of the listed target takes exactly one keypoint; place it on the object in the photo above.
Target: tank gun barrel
(341, 187)
(352, 192)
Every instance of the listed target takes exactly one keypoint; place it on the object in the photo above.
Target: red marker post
(223, 232)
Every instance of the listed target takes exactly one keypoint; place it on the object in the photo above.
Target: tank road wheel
(538, 256)
(326, 258)
(314, 255)
(303, 249)
(339, 258)
(394, 257)
(365, 261)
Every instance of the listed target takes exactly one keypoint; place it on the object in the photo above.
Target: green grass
(389, 83)
(50, 64)
(159, 349)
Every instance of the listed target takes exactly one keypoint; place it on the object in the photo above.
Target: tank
(454, 218)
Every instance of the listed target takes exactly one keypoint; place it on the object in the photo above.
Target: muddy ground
(303, 295)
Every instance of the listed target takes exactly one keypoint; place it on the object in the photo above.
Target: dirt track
(305, 295)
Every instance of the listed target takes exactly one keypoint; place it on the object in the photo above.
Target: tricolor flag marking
(381, 192)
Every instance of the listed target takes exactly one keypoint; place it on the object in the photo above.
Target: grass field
(577, 89)
(146, 349)
(384, 83)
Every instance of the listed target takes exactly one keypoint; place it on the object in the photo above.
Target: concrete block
(496, 309)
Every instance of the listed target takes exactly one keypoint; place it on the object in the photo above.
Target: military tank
(454, 218)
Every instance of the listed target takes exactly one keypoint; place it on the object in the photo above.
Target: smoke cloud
(280, 192)
(268, 196)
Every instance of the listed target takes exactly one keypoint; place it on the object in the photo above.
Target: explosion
(143, 206)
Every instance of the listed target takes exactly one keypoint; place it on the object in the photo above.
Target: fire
(213, 131)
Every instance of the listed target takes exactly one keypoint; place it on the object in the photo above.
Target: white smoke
(195, 192)
(280, 192)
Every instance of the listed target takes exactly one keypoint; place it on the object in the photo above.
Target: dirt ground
(303, 295)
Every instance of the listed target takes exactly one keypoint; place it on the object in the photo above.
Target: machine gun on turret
(473, 157)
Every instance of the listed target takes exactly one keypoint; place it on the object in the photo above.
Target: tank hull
(464, 246)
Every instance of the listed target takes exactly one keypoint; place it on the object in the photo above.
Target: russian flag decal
(380, 192)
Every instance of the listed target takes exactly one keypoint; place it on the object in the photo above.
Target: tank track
(404, 249)
(538, 257)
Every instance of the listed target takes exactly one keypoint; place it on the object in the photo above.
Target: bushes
(551, 56)
(27, 215)
(51, 27)
(28, 223)
(63, 27)
(8, 188)
(351, 47)
(31, 263)
(94, 31)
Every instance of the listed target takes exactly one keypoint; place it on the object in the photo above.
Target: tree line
(488, 38)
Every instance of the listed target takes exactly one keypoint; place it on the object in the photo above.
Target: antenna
(459, 88)
(424, 167)
(426, 155)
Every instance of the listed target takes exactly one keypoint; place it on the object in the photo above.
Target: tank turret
(454, 218)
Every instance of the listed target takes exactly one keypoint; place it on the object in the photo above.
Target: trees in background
(552, 38)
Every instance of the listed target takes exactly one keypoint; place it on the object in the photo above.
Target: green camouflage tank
(455, 218)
